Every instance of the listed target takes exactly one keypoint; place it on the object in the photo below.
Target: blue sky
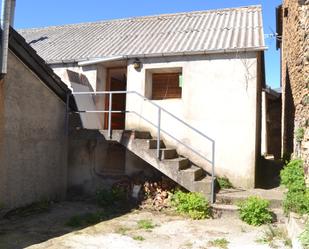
(38, 13)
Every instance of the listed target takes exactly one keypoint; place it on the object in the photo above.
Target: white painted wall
(96, 75)
(219, 98)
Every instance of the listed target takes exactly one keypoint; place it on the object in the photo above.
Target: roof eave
(92, 61)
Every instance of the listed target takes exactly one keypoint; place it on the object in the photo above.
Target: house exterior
(293, 30)
(33, 141)
(206, 68)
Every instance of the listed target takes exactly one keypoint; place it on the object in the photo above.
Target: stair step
(168, 154)
(142, 135)
(193, 173)
(224, 210)
(232, 196)
(203, 186)
(179, 163)
(153, 144)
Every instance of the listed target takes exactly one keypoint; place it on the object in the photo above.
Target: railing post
(213, 174)
(110, 115)
(158, 133)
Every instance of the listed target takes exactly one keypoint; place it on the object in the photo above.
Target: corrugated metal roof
(192, 32)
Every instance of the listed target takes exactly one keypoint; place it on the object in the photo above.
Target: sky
(38, 13)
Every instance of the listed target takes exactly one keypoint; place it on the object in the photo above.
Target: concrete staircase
(178, 168)
(227, 199)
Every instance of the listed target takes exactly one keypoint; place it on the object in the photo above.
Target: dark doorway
(116, 81)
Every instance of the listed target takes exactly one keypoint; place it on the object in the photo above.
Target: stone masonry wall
(295, 78)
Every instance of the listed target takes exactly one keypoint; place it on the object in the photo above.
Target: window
(166, 85)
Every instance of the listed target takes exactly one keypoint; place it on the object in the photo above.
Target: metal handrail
(158, 126)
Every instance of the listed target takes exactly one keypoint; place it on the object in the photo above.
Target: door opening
(116, 81)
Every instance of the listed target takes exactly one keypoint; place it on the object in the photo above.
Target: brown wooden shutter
(165, 86)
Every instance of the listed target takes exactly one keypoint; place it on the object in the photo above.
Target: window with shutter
(166, 86)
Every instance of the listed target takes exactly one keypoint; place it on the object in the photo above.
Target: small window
(166, 85)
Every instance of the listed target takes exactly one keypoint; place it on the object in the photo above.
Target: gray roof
(209, 31)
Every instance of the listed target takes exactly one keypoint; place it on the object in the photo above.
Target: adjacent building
(293, 40)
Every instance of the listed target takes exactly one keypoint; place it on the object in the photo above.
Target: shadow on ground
(268, 173)
(25, 227)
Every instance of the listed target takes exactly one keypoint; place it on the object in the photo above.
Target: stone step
(233, 196)
(230, 210)
(168, 154)
(224, 210)
(203, 186)
(192, 174)
(179, 163)
(152, 144)
(142, 135)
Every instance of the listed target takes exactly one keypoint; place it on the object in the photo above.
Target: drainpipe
(5, 27)
(12, 12)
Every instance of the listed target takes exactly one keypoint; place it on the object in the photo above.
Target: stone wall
(295, 78)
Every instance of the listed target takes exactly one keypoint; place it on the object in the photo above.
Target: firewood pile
(151, 194)
(157, 193)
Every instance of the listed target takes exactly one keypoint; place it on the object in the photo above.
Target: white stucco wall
(96, 76)
(219, 98)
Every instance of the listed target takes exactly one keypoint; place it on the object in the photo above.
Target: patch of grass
(86, 219)
(273, 236)
(304, 237)
(139, 238)
(123, 230)
(145, 224)
(224, 183)
(220, 243)
(192, 204)
(255, 211)
(188, 245)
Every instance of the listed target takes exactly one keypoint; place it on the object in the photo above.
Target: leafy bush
(224, 183)
(193, 204)
(292, 176)
(255, 211)
(297, 197)
(304, 237)
(297, 202)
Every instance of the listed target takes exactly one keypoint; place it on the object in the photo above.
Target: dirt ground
(121, 230)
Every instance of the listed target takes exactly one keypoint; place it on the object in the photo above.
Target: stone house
(33, 139)
(205, 68)
(293, 31)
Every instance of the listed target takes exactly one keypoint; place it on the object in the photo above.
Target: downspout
(5, 29)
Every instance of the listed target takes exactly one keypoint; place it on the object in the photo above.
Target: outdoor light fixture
(137, 64)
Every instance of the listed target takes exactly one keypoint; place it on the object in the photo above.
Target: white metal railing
(157, 126)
